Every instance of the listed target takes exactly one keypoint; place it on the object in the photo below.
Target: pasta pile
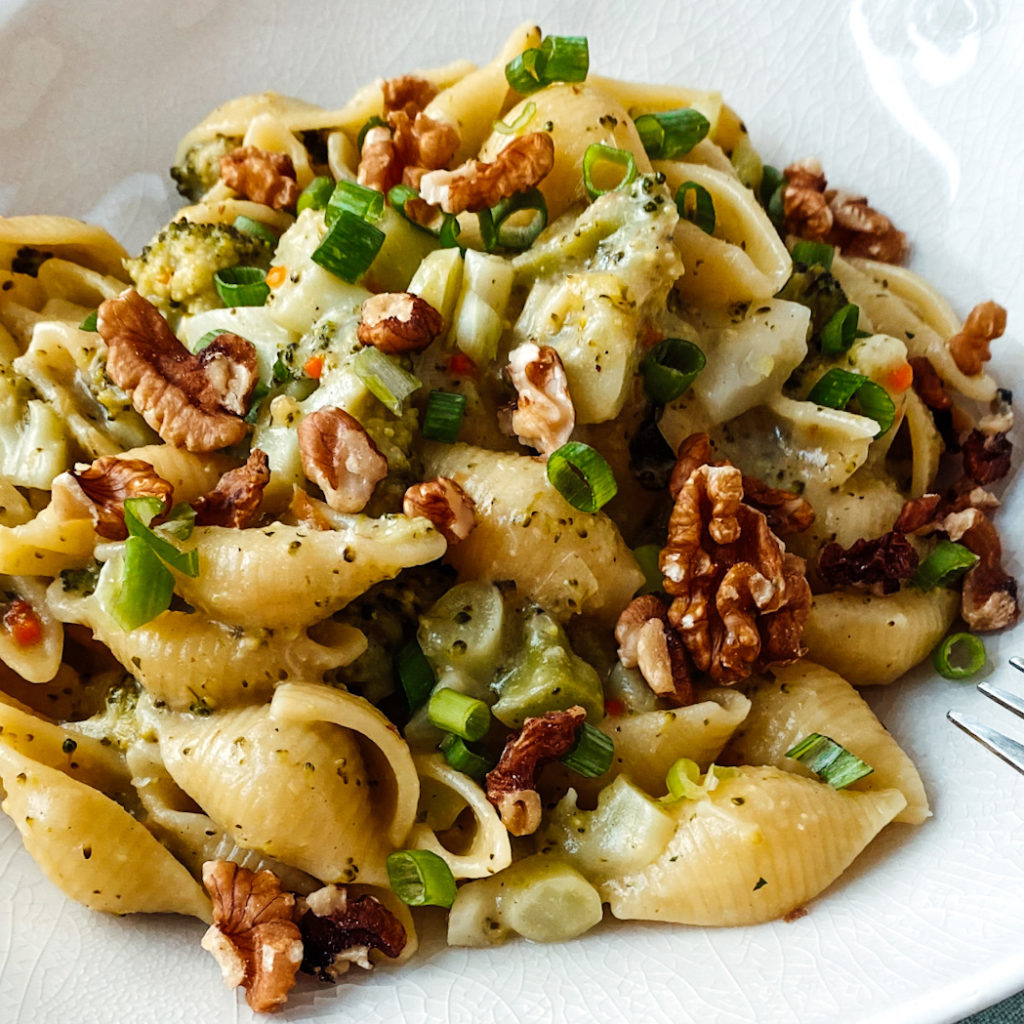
(488, 494)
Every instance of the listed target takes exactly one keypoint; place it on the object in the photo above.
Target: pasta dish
(488, 495)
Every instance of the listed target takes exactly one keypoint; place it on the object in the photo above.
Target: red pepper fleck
(461, 365)
(22, 622)
(314, 366)
(613, 707)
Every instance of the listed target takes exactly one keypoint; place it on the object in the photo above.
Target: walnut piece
(339, 930)
(970, 347)
(787, 513)
(986, 457)
(544, 415)
(397, 322)
(838, 217)
(378, 160)
(511, 784)
(877, 564)
(340, 457)
(260, 175)
(253, 936)
(237, 496)
(109, 481)
(928, 384)
(408, 93)
(739, 599)
(474, 186)
(647, 642)
(445, 504)
(194, 401)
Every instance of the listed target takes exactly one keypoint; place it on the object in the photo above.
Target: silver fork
(1008, 749)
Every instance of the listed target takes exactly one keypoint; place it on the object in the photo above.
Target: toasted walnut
(693, 452)
(986, 457)
(421, 143)
(339, 457)
(999, 418)
(787, 513)
(544, 415)
(445, 504)
(475, 186)
(237, 496)
(970, 347)
(397, 322)
(647, 642)
(253, 936)
(339, 930)
(928, 384)
(511, 784)
(193, 401)
(379, 166)
(109, 481)
(877, 564)
(918, 514)
(260, 175)
(803, 200)
(306, 511)
(408, 93)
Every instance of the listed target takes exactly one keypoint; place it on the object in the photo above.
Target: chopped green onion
(398, 196)
(259, 392)
(968, 651)
(241, 286)
(557, 59)
(597, 154)
(841, 330)
(771, 180)
(946, 563)
(591, 754)
(648, 558)
(366, 203)
(138, 514)
(180, 521)
(442, 420)
(700, 210)
(254, 227)
(464, 760)
(683, 781)
(671, 133)
(349, 247)
(421, 878)
(520, 122)
(829, 760)
(456, 712)
(448, 233)
(670, 368)
(373, 122)
(208, 337)
(814, 254)
(280, 372)
(146, 586)
(497, 231)
(384, 378)
(316, 195)
(581, 476)
(89, 323)
(415, 674)
(838, 387)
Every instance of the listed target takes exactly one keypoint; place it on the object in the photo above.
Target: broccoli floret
(175, 271)
(200, 170)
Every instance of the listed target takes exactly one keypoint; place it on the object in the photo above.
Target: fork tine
(1017, 663)
(1009, 700)
(1009, 750)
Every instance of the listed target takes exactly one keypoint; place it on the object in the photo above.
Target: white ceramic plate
(910, 101)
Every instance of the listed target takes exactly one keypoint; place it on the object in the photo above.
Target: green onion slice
(415, 674)
(349, 247)
(89, 323)
(812, 254)
(648, 558)
(384, 378)
(458, 713)
(519, 123)
(373, 122)
(771, 180)
(598, 154)
(671, 133)
(254, 227)
(591, 754)
(208, 337)
(945, 564)
(557, 59)
(841, 330)
(138, 514)
(180, 521)
(442, 420)
(448, 233)
(364, 202)
(520, 234)
(683, 781)
(670, 368)
(829, 760)
(241, 286)
(146, 586)
(316, 195)
(838, 387)
(959, 656)
(463, 759)
(580, 475)
(700, 209)
(421, 878)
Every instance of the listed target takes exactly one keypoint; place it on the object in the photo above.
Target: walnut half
(236, 499)
(253, 936)
(397, 322)
(109, 481)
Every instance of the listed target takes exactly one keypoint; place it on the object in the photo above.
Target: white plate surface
(912, 102)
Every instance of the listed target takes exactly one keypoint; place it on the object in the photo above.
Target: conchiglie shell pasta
(36, 662)
(795, 834)
(805, 698)
(65, 237)
(90, 847)
(873, 640)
